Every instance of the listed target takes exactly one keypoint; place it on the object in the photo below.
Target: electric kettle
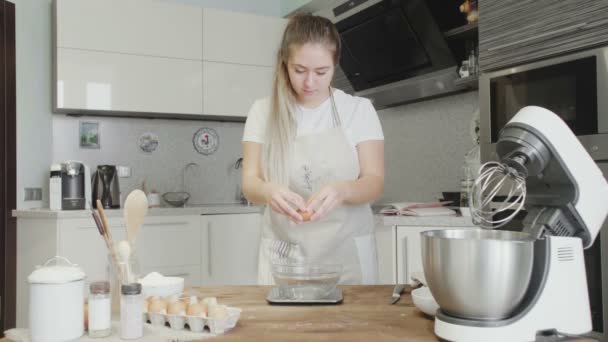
(105, 187)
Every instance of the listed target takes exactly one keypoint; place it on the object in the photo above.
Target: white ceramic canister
(56, 307)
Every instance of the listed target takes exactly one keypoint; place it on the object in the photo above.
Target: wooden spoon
(136, 208)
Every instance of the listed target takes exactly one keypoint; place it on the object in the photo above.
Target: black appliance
(391, 49)
(73, 185)
(106, 187)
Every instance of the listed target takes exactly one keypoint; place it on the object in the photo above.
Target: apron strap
(336, 116)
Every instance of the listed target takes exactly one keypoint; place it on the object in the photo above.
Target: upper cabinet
(154, 58)
(240, 38)
(239, 53)
(514, 32)
(139, 27)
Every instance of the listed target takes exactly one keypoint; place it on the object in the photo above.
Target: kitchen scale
(277, 296)
(565, 196)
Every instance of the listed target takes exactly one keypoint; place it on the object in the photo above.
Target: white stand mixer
(567, 203)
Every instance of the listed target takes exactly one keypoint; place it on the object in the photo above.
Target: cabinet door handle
(182, 275)
(209, 249)
(404, 266)
(176, 223)
(542, 35)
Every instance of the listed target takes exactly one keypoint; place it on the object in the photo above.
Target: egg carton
(195, 323)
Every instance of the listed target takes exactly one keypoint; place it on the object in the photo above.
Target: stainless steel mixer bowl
(477, 274)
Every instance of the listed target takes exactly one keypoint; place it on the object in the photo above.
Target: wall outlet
(32, 194)
(123, 171)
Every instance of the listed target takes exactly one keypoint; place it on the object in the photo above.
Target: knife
(397, 293)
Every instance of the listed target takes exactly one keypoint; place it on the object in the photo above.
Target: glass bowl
(305, 280)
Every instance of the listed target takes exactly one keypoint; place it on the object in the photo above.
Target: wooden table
(364, 315)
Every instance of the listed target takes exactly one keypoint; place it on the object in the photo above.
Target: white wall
(34, 86)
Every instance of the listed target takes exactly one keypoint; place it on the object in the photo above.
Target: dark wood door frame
(8, 165)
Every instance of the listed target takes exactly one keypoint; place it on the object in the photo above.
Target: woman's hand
(325, 200)
(284, 201)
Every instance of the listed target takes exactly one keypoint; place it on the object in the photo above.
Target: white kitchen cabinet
(230, 249)
(139, 27)
(231, 89)
(241, 38)
(387, 250)
(103, 81)
(409, 252)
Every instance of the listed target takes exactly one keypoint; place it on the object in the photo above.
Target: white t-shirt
(359, 119)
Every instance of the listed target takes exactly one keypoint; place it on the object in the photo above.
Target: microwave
(574, 86)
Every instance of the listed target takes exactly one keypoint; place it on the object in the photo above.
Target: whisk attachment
(496, 179)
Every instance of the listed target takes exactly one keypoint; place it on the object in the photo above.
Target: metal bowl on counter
(176, 199)
(305, 281)
(477, 274)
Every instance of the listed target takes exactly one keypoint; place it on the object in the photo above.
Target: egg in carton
(179, 310)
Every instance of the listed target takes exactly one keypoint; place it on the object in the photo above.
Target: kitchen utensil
(124, 250)
(496, 179)
(106, 239)
(102, 216)
(499, 267)
(276, 296)
(176, 199)
(423, 300)
(136, 208)
(304, 280)
(56, 301)
(397, 290)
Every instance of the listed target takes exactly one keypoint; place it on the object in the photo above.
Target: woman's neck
(314, 102)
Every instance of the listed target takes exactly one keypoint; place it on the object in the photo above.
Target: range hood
(393, 52)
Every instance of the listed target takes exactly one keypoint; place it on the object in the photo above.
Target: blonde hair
(281, 129)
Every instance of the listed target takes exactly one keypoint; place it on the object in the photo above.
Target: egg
(210, 301)
(158, 305)
(177, 308)
(218, 311)
(197, 309)
(306, 215)
(192, 300)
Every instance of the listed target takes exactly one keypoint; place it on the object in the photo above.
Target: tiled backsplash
(215, 181)
(425, 147)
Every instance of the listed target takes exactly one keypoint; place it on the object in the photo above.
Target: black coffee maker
(105, 187)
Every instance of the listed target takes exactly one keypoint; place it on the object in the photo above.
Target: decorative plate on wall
(206, 141)
(148, 142)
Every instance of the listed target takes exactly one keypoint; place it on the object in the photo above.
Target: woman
(311, 150)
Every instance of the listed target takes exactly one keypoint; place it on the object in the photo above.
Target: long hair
(281, 129)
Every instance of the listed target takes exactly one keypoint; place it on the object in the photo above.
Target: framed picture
(89, 134)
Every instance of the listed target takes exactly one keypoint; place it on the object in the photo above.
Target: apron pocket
(366, 249)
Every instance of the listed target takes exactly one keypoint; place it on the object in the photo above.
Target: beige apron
(345, 236)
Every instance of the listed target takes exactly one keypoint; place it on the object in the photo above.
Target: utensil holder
(119, 277)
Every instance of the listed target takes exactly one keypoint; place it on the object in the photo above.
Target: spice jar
(100, 309)
(131, 316)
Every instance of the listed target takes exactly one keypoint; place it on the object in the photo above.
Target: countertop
(364, 315)
(203, 209)
(216, 209)
(437, 221)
